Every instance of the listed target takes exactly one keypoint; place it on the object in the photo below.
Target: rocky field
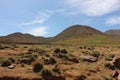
(59, 62)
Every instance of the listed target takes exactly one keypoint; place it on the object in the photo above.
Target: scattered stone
(12, 66)
(89, 58)
(24, 60)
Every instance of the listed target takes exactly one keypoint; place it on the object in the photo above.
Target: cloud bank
(93, 7)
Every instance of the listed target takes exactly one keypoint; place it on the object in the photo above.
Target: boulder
(12, 66)
(89, 58)
(24, 60)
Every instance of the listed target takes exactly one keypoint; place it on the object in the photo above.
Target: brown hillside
(113, 33)
(77, 31)
(21, 38)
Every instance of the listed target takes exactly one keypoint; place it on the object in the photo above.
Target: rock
(24, 60)
(12, 66)
(116, 62)
(89, 58)
(6, 63)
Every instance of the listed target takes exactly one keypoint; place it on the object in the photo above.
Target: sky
(50, 17)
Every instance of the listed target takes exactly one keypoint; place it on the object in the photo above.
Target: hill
(76, 34)
(84, 35)
(113, 33)
(76, 31)
(21, 38)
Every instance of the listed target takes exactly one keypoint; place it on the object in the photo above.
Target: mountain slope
(76, 31)
(113, 33)
(21, 38)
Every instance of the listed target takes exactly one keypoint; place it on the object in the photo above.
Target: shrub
(112, 55)
(95, 54)
(11, 59)
(56, 69)
(108, 58)
(37, 67)
(52, 60)
(46, 74)
(109, 66)
(57, 50)
(6, 63)
(1, 47)
(25, 47)
(64, 51)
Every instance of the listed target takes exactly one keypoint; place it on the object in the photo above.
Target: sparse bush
(95, 54)
(83, 77)
(108, 58)
(46, 74)
(25, 47)
(50, 61)
(64, 51)
(56, 69)
(22, 65)
(109, 66)
(6, 63)
(11, 59)
(47, 55)
(112, 55)
(57, 50)
(1, 47)
(37, 67)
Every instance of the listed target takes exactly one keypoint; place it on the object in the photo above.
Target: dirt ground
(69, 69)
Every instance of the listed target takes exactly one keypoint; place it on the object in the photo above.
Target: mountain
(21, 38)
(77, 31)
(113, 33)
(76, 34)
(84, 35)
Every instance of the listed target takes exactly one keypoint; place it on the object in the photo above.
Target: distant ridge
(21, 38)
(113, 33)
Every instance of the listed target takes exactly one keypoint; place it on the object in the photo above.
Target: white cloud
(113, 20)
(38, 19)
(93, 7)
(38, 31)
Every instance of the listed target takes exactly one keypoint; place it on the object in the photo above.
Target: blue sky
(50, 17)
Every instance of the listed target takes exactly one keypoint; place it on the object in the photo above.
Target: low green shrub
(37, 67)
